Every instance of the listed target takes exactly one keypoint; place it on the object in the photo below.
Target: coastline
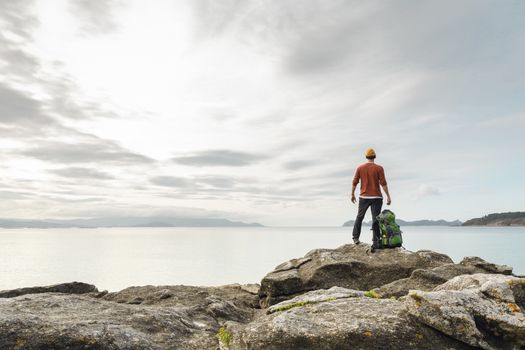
(347, 298)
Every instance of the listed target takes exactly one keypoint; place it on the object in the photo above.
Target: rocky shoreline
(344, 298)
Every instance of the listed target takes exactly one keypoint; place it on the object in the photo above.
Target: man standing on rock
(371, 175)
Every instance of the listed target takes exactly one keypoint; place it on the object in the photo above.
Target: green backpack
(390, 231)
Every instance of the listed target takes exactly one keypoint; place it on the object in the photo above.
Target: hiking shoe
(373, 249)
(356, 241)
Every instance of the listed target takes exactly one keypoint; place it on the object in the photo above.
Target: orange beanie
(370, 153)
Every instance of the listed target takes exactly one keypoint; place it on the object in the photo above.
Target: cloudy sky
(259, 110)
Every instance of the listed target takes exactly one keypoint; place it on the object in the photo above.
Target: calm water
(115, 258)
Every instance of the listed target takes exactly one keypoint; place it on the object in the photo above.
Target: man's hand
(353, 198)
(388, 199)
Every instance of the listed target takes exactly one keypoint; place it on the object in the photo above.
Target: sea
(116, 258)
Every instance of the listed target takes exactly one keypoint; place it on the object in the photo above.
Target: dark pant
(375, 204)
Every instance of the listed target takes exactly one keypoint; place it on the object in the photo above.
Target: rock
(97, 294)
(326, 300)
(224, 310)
(349, 266)
(62, 321)
(428, 279)
(316, 296)
(136, 301)
(185, 295)
(68, 288)
(481, 310)
(164, 317)
(252, 288)
(337, 319)
(479, 263)
(164, 294)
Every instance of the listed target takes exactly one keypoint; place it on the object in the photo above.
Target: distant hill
(414, 223)
(13, 223)
(125, 222)
(429, 223)
(499, 219)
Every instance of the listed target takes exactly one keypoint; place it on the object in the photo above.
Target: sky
(260, 111)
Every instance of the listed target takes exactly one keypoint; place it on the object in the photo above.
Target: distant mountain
(428, 223)
(13, 223)
(516, 218)
(414, 223)
(351, 223)
(125, 222)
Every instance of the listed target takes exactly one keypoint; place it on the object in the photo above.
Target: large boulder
(482, 310)
(428, 279)
(336, 319)
(349, 266)
(165, 317)
(68, 288)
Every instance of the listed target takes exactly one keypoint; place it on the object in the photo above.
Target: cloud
(224, 182)
(84, 173)
(60, 96)
(219, 15)
(17, 61)
(332, 36)
(103, 151)
(221, 114)
(204, 184)
(75, 199)
(311, 37)
(16, 108)
(425, 190)
(222, 187)
(10, 195)
(34, 94)
(428, 84)
(96, 17)
(219, 158)
(22, 116)
(24, 119)
(17, 25)
(340, 36)
(172, 181)
(68, 102)
(298, 164)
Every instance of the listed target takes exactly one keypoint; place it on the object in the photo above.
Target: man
(371, 176)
